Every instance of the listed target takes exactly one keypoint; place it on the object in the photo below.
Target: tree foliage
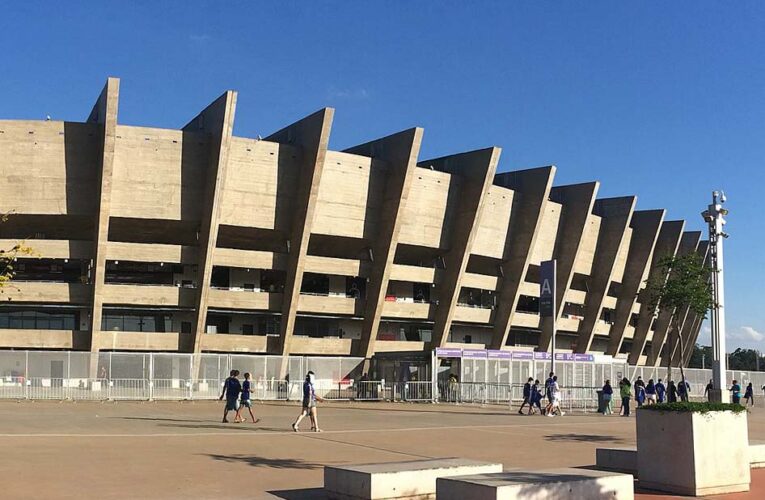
(687, 284)
(8, 260)
(684, 282)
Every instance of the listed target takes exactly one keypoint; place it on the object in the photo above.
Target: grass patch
(692, 407)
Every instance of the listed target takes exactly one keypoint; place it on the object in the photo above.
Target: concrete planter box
(693, 453)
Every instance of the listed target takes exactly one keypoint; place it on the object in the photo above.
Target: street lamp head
(723, 199)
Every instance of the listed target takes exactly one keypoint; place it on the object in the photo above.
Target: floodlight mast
(713, 216)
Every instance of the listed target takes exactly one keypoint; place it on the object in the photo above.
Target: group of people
(238, 395)
(736, 393)
(532, 396)
(644, 394)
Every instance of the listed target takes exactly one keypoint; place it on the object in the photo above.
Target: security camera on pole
(713, 216)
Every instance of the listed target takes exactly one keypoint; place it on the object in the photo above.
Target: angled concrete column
(615, 216)
(695, 331)
(475, 171)
(399, 152)
(652, 238)
(663, 332)
(531, 191)
(104, 113)
(577, 201)
(311, 134)
(645, 225)
(217, 121)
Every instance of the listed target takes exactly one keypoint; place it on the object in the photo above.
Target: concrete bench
(625, 459)
(532, 484)
(757, 454)
(617, 459)
(405, 480)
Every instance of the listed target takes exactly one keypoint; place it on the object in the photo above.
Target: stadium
(201, 243)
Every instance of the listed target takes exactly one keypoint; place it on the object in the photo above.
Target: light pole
(713, 216)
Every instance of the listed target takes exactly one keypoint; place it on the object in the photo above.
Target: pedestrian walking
(526, 396)
(555, 395)
(548, 393)
(672, 392)
(536, 396)
(650, 393)
(309, 404)
(608, 393)
(749, 394)
(245, 400)
(708, 390)
(639, 395)
(736, 392)
(661, 391)
(683, 390)
(625, 391)
(231, 389)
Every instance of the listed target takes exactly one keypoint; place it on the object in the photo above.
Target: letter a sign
(547, 289)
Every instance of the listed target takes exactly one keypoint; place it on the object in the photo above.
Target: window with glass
(38, 320)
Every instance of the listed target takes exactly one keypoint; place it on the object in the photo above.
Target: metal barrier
(413, 391)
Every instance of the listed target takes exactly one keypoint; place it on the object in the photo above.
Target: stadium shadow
(230, 426)
(304, 494)
(584, 438)
(273, 463)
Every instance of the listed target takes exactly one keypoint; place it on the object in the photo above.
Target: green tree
(701, 357)
(684, 283)
(745, 359)
(8, 260)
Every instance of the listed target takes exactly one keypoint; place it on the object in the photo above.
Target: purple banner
(541, 355)
(564, 356)
(443, 352)
(500, 354)
(474, 353)
(523, 355)
(584, 357)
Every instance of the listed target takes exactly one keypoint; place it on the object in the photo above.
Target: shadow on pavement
(584, 438)
(304, 494)
(273, 463)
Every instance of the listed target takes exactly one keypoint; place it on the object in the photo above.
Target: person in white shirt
(556, 396)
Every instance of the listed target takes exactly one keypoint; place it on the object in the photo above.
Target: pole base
(719, 396)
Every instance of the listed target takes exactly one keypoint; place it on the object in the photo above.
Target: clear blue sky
(665, 100)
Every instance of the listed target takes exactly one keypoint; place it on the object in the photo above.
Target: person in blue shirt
(536, 397)
(526, 396)
(660, 391)
(245, 400)
(548, 393)
(736, 392)
(231, 389)
(650, 393)
(309, 404)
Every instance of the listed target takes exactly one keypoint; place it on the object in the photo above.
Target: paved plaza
(181, 450)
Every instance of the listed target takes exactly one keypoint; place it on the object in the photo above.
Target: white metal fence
(62, 375)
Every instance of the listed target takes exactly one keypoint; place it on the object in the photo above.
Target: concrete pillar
(217, 120)
(688, 243)
(399, 152)
(104, 113)
(652, 237)
(615, 216)
(531, 191)
(577, 201)
(475, 171)
(311, 135)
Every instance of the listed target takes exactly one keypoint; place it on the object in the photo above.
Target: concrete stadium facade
(195, 240)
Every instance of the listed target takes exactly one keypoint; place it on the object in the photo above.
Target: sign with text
(547, 289)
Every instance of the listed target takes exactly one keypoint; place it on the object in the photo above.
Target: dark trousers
(626, 405)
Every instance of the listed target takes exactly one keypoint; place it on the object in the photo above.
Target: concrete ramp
(400, 480)
(538, 485)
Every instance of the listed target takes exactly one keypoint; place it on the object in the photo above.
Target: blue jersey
(246, 390)
(309, 395)
(233, 388)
